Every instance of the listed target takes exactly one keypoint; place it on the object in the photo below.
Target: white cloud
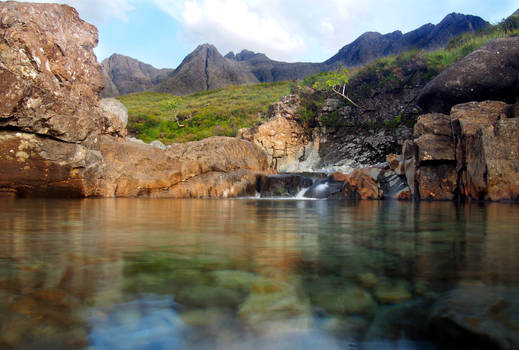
(97, 11)
(236, 24)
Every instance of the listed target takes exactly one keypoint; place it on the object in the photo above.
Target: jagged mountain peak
(230, 55)
(204, 69)
(372, 45)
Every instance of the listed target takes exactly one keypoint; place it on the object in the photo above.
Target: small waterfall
(301, 194)
(299, 186)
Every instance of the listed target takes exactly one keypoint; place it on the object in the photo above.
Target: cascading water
(299, 186)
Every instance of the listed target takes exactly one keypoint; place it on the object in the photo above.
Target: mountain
(206, 69)
(267, 70)
(371, 45)
(123, 75)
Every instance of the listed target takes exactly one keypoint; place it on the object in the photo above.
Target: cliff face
(123, 75)
(57, 139)
(371, 45)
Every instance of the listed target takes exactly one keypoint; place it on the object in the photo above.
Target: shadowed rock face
(123, 75)
(57, 140)
(492, 72)
(206, 69)
(371, 45)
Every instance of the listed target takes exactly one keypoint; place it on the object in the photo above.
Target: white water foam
(301, 194)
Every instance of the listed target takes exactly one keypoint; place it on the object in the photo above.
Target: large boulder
(471, 154)
(49, 76)
(214, 167)
(491, 72)
(57, 139)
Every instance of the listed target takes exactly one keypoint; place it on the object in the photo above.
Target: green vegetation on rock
(395, 72)
(219, 112)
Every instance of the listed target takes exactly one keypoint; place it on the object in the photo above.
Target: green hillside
(219, 112)
(168, 118)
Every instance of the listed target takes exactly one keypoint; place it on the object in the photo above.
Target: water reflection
(258, 274)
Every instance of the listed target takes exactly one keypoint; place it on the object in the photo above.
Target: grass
(168, 118)
(219, 112)
(395, 72)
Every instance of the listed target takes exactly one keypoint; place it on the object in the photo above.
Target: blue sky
(163, 32)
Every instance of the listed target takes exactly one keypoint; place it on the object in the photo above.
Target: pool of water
(257, 274)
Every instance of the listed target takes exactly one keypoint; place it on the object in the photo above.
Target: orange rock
(359, 185)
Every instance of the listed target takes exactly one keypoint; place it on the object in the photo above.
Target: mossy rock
(392, 292)
(208, 296)
(283, 305)
(351, 300)
(204, 318)
(234, 279)
(367, 280)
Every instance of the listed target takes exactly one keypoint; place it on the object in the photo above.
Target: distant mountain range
(205, 68)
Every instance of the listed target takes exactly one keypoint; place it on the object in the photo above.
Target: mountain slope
(206, 69)
(370, 46)
(124, 75)
(267, 70)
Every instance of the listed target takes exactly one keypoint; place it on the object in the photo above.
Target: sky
(163, 32)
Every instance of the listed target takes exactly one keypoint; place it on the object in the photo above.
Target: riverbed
(256, 274)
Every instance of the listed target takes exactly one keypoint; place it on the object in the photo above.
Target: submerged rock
(392, 292)
(483, 317)
(350, 300)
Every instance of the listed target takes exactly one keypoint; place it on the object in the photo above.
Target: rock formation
(471, 154)
(123, 75)
(268, 70)
(57, 139)
(285, 142)
(49, 76)
(205, 69)
(492, 72)
(371, 45)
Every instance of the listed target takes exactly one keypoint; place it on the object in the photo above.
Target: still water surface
(251, 274)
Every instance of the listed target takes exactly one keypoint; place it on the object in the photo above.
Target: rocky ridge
(371, 45)
(205, 68)
(57, 139)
